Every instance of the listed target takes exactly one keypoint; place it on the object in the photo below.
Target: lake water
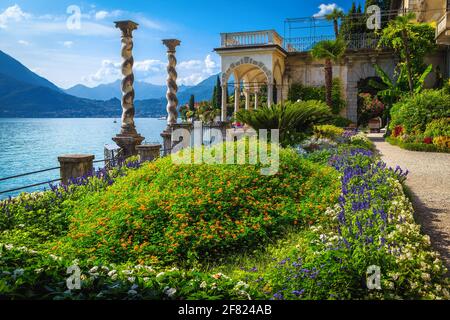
(33, 144)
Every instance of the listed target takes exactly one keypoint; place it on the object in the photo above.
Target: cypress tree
(192, 103)
(218, 93)
(214, 98)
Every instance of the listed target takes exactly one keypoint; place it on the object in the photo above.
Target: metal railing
(112, 159)
(354, 42)
(252, 38)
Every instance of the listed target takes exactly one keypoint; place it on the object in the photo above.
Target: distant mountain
(25, 94)
(14, 69)
(202, 91)
(108, 91)
(22, 100)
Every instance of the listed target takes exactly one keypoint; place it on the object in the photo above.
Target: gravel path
(429, 183)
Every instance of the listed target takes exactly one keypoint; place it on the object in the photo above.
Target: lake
(33, 144)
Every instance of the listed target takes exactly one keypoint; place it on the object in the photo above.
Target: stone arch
(247, 61)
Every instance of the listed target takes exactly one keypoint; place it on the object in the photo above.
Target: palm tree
(293, 119)
(335, 16)
(331, 51)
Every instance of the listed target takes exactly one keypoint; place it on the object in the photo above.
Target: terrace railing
(253, 38)
(354, 42)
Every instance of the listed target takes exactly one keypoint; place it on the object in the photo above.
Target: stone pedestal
(75, 166)
(148, 152)
(128, 143)
(167, 140)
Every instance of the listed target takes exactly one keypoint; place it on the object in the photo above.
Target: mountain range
(23, 93)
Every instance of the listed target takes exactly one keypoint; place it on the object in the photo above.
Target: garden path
(429, 185)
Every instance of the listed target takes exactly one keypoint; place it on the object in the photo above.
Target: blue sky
(35, 33)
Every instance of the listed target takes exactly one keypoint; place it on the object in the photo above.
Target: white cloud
(108, 72)
(149, 66)
(190, 72)
(147, 23)
(13, 13)
(68, 44)
(100, 15)
(325, 9)
(23, 42)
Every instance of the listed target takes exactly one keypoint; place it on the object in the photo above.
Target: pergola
(254, 59)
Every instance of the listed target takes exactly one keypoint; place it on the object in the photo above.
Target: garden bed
(309, 232)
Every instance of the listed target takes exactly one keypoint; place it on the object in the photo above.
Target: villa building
(265, 59)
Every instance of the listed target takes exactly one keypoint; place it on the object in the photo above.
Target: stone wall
(356, 66)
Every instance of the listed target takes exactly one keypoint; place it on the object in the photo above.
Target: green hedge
(414, 112)
(416, 146)
(298, 91)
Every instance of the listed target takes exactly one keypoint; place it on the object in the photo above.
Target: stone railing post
(128, 137)
(148, 152)
(75, 166)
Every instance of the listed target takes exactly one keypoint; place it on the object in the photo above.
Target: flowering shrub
(398, 130)
(28, 274)
(372, 224)
(328, 131)
(165, 213)
(428, 140)
(442, 142)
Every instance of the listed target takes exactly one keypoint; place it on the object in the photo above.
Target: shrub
(361, 140)
(428, 140)
(294, 120)
(299, 91)
(442, 142)
(416, 146)
(165, 213)
(373, 224)
(398, 130)
(438, 127)
(414, 112)
(340, 122)
(328, 131)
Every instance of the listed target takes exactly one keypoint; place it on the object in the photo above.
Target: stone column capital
(171, 44)
(127, 27)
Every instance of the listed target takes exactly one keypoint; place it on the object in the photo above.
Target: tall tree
(218, 93)
(192, 103)
(214, 97)
(335, 16)
(411, 41)
(330, 51)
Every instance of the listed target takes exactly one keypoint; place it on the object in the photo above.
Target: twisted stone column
(172, 88)
(128, 137)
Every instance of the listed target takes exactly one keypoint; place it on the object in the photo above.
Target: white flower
(426, 276)
(93, 270)
(132, 279)
(112, 273)
(170, 292)
(203, 285)
(127, 272)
